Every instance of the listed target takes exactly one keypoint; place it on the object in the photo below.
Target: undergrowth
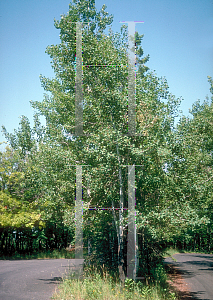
(41, 255)
(93, 284)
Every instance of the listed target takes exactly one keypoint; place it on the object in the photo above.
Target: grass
(169, 252)
(94, 284)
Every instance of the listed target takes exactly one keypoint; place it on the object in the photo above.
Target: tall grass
(169, 252)
(94, 285)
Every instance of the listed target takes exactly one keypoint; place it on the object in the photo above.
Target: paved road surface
(34, 279)
(197, 272)
(38, 279)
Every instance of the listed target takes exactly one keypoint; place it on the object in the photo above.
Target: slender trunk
(111, 245)
(194, 242)
(121, 229)
(5, 248)
(9, 244)
(209, 235)
(17, 241)
(89, 247)
(120, 232)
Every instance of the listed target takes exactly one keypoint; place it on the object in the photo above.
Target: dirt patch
(177, 283)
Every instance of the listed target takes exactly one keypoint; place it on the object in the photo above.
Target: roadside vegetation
(171, 251)
(55, 253)
(96, 284)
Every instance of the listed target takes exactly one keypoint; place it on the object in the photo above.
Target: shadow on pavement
(52, 280)
(176, 275)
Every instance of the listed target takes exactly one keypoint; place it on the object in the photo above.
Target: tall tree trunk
(120, 232)
(121, 229)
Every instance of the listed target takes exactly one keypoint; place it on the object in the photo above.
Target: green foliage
(28, 215)
(14, 213)
(105, 119)
(22, 138)
(173, 164)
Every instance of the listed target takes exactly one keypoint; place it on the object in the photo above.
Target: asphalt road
(33, 279)
(38, 279)
(197, 270)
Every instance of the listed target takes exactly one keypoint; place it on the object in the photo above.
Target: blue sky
(178, 36)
